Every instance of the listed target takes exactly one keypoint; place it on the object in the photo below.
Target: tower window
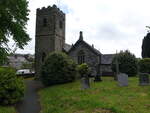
(60, 24)
(44, 22)
(81, 57)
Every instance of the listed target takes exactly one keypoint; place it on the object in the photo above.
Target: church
(50, 37)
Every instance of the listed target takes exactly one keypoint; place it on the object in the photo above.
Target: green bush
(11, 87)
(144, 65)
(83, 70)
(58, 68)
(127, 63)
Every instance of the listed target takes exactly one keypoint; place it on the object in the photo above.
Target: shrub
(58, 68)
(11, 87)
(83, 70)
(144, 65)
(127, 63)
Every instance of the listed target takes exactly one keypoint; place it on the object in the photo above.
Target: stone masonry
(50, 33)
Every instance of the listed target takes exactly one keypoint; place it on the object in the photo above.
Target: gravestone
(85, 83)
(144, 79)
(122, 79)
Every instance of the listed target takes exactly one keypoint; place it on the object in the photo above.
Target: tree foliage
(144, 65)
(127, 63)
(83, 70)
(146, 46)
(13, 19)
(11, 87)
(58, 68)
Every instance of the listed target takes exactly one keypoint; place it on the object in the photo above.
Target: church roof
(67, 47)
(107, 58)
(97, 52)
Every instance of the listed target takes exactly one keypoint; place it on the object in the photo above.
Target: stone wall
(106, 68)
(90, 58)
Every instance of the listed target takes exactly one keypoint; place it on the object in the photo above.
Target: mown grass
(102, 97)
(7, 109)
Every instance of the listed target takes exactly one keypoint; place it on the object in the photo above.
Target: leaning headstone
(122, 79)
(144, 79)
(85, 84)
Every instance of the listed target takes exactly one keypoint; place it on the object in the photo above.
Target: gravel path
(30, 103)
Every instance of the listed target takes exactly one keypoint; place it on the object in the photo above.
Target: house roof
(107, 58)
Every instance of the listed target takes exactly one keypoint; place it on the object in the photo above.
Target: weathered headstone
(85, 83)
(144, 79)
(122, 79)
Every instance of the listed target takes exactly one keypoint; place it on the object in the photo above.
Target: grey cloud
(110, 31)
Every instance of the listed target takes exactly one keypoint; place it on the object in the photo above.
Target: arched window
(43, 56)
(44, 22)
(81, 57)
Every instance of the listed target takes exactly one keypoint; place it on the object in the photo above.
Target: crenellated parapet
(50, 9)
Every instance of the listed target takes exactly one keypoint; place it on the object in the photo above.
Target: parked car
(25, 73)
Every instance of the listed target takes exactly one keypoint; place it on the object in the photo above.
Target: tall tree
(127, 63)
(146, 46)
(13, 19)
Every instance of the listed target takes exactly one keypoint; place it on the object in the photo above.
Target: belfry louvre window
(81, 57)
(60, 24)
(44, 22)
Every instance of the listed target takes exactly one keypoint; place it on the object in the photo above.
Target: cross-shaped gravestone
(98, 75)
(117, 67)
(144, 79)
(85, 84)
(122, 79)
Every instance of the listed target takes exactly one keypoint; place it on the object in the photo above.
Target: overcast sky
(108, 24)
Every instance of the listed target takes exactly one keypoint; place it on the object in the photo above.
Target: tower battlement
(53, 9)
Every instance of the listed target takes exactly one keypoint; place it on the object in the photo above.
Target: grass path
(102, 97)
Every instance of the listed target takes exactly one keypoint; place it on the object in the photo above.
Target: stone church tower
(50, 34)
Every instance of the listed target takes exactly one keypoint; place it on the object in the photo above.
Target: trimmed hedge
(11, 87)
(58, 68)
(144, 65)
(127, 63)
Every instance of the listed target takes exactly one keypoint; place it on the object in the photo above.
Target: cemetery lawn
(102, 97)
(7, 109)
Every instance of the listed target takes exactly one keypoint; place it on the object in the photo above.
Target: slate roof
(107, 58)
(67, 47)
(87, 45)
(81, 41)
